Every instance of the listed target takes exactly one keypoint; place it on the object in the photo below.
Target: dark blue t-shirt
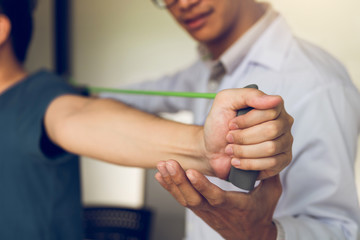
(39, 182)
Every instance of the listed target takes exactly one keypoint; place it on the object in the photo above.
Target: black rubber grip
(241, 178)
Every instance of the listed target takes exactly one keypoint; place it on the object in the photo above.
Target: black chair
(117, 223)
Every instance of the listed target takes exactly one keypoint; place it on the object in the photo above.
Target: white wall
(118, 41)
(334, 25)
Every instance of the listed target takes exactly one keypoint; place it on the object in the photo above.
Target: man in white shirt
(45, 124)
(254, 45)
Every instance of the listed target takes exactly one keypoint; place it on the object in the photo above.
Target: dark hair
(20, 14)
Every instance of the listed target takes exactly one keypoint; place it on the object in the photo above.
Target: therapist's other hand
(234, 215)
(259, 140)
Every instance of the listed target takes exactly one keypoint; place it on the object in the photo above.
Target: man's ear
(5, 28)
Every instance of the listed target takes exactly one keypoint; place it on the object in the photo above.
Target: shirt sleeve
(319, 198)
(40, 90)
(280, 230)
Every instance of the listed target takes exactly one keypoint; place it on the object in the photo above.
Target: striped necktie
(216, 75)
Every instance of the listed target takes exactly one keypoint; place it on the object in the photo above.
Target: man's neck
(247, 19)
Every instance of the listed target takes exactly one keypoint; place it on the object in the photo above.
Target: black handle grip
(241, 178)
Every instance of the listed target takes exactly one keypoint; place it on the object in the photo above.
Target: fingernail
(235, 162)
(191, 177)
(233, 126)
(230, 138)
(229, 150)
(170, 169)
(162, 169)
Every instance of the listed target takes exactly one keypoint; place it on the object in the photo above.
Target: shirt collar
(232, 58)
(272, 47)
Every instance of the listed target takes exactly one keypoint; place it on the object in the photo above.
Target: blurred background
(114, 42)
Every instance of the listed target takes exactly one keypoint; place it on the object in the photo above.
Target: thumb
(265, 101)
(239, 98)
(270, 187)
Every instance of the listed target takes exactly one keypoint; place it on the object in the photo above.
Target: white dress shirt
(319, 198)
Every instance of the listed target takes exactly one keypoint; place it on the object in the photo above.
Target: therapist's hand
(259, 140)
(233, 215)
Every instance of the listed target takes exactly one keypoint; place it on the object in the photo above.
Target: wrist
(270, 232)
(192, 154)
(203, 159)
(262, 232)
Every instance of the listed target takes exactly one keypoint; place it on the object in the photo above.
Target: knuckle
(247, 164)
(177, 181)
(271, 173)
(288, 158)
(238, 151)
(193, 203)
(182, 203)
(271, 148)
(284, 160)
(287, 142)
(282, 100)
(273, 114)
(167, 180)
(291, 139)
(273, 162)
(240, 137)
(241, 122)
(272, 130)
(291, 120)
(217, 202)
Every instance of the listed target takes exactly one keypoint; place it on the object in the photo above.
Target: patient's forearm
(108, 130)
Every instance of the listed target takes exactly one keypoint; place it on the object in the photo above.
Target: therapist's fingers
(259, 133)
(215, 196)
(260, 125)
(180, 187)
(164, 178)
(268, 167)
(179, 178)
(260, 115)
(245, 97)
(263, 149)
(255, 117)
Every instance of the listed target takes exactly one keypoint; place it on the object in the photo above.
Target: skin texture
(111, 131)
(118, 133)
(257, 140)
(233, 215)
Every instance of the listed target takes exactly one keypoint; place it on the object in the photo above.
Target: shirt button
(212, 86)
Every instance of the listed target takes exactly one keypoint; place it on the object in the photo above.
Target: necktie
(216, 75)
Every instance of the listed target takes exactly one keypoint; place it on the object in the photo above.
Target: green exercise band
(240, 178)
(154, 93)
